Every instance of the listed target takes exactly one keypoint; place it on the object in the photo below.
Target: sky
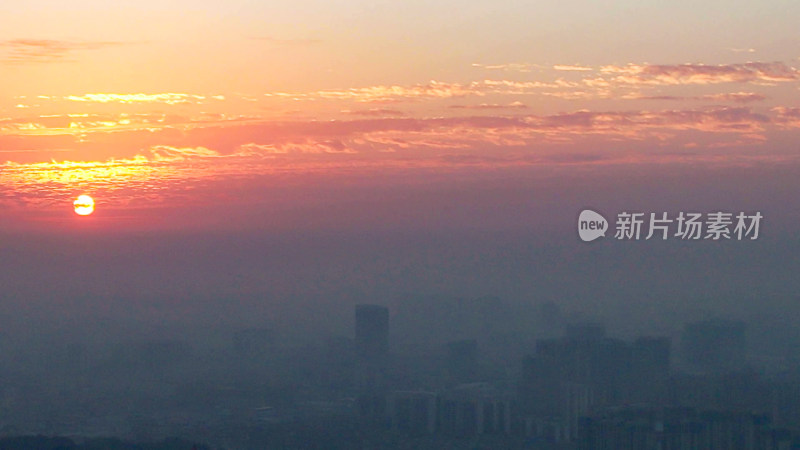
(353, 150)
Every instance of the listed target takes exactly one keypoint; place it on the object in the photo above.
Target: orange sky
(143, 104)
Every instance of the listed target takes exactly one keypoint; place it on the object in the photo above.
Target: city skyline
(253, 222)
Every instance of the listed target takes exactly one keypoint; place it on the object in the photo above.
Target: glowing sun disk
(84, 205)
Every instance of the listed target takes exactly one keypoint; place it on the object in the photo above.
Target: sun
(84, 205)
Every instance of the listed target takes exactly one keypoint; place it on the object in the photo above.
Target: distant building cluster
(570, 386)
(680, 428)
(585, 371)
(584, 390)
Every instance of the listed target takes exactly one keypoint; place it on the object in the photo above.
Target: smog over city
(377, 225)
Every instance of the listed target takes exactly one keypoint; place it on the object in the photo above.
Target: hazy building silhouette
(254, 342)
(473, 409)
(412, 412)
(152, 354)
(649, 370)
(598, 363)
(462, 360)
(679, 429)
(550, 319)
(372, 350)
(741, 390)
(585, 371)
(714, 346)
(585, 331)
(372, 332)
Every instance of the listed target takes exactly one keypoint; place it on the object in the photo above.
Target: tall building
(372, 332)
(585, 372)
(371, 371)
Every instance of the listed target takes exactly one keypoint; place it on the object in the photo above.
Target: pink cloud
(752, 72)
(736, 97)
(787, 117)
(375, 112)
(370, 136)
(512, 105)
(166, 162)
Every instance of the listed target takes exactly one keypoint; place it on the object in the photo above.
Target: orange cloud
(572, 68)
(300, 146)
(431, 90)
(166, 162)
(390, 134)
(752, 72)
(510, 67)
(47, 50)
(168, 98)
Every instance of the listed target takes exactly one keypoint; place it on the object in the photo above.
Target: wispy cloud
(394, 93)
(165, 162)
(375, 134)
(736, 97)
(509, 67)
(752, 72)
(365, 137)
(512, 105)
(787, 117)
(579, 94)
(168, 98)
(375, 112)
(572, 68)
(47, 50)
(529, 67)
(299, 146)
(608, 81)
(433, 89)
(631, 81)
(736, 120)
(288, 42)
